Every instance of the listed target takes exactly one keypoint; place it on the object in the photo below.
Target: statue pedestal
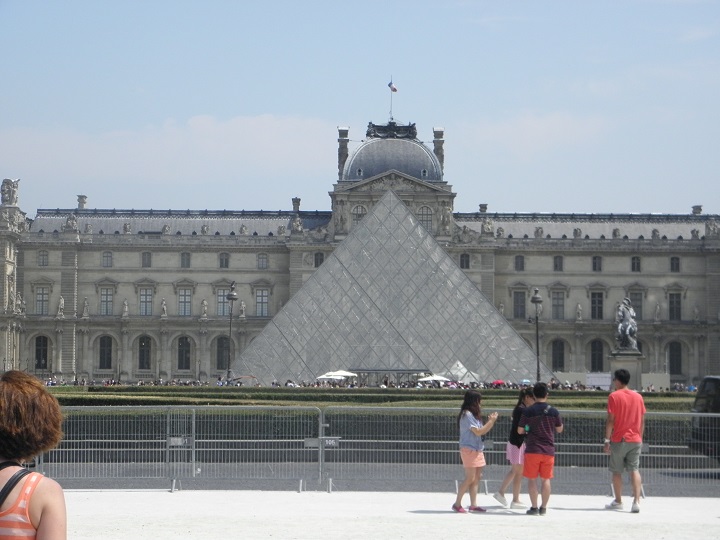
(630, 360)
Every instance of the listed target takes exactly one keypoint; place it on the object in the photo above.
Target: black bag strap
(14, 479)
(6, 464)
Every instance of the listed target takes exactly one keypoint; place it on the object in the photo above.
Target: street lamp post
(231, 297)
(537, 300)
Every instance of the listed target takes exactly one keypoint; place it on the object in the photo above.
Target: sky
(548, 106)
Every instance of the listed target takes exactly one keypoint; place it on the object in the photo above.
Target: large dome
(378, 155)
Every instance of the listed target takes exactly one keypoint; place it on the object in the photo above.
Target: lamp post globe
(231, 297)
(537, 300)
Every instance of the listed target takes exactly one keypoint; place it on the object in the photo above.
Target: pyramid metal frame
(389, 299)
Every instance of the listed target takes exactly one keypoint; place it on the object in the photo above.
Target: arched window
(358, 212)
(465, 261)
(558, 355)
(105, 360)
(425, 217)
(144, 352)
(42, 346)
(183, 353)
(319, 259)
(222, 353)
(597, 356)
(675, 358)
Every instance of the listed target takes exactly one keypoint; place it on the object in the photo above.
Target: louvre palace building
(390, 281)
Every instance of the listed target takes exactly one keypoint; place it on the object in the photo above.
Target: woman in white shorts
(515, 453)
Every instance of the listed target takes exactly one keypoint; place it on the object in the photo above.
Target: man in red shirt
(624, 429)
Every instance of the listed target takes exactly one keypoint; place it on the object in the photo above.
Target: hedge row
(323, 397)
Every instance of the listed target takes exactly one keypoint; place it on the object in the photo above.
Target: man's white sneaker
(635, 508)
(614, 506)
(518, 506)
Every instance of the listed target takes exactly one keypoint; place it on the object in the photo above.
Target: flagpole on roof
(393, 89)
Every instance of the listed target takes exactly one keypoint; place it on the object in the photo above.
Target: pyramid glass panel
(389, 299)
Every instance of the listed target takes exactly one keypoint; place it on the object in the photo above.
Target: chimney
(483, 207)
(82, 201)
(342, 149)
(697, 209)
(438, 143)
(296, 204)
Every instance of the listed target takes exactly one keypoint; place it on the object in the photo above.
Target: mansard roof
(591, 226)
(184, 222)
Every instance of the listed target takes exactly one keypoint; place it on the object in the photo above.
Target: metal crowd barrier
(348, 448)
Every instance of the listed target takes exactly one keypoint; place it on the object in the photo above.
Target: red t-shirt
(628, 408)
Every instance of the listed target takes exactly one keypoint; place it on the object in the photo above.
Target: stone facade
(141, 294)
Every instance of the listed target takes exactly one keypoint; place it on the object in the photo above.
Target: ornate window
(358, 213)
(424, 215)
(183, 353)
(146, 301)
(519, 304)
(558, 355)
(106, 300)
(43, 258)
(185, 260)
(675, 306)
(144, 352)
(319, 259)
(42, 300)
(184, 302)
(262, 301)
(224, 259)
(105, 357)
(519, 263)
(107, 259)
(465, 261)
(223, 304)
(636, 299)
(558, 304)
(596, 305)
(42, 349)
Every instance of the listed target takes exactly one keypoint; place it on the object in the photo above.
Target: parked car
(705, 429)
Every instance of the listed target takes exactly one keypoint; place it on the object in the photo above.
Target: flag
(392, 87)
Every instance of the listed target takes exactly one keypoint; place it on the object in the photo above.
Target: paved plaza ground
(159, 515)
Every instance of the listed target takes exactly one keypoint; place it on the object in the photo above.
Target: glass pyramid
(389, 300)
